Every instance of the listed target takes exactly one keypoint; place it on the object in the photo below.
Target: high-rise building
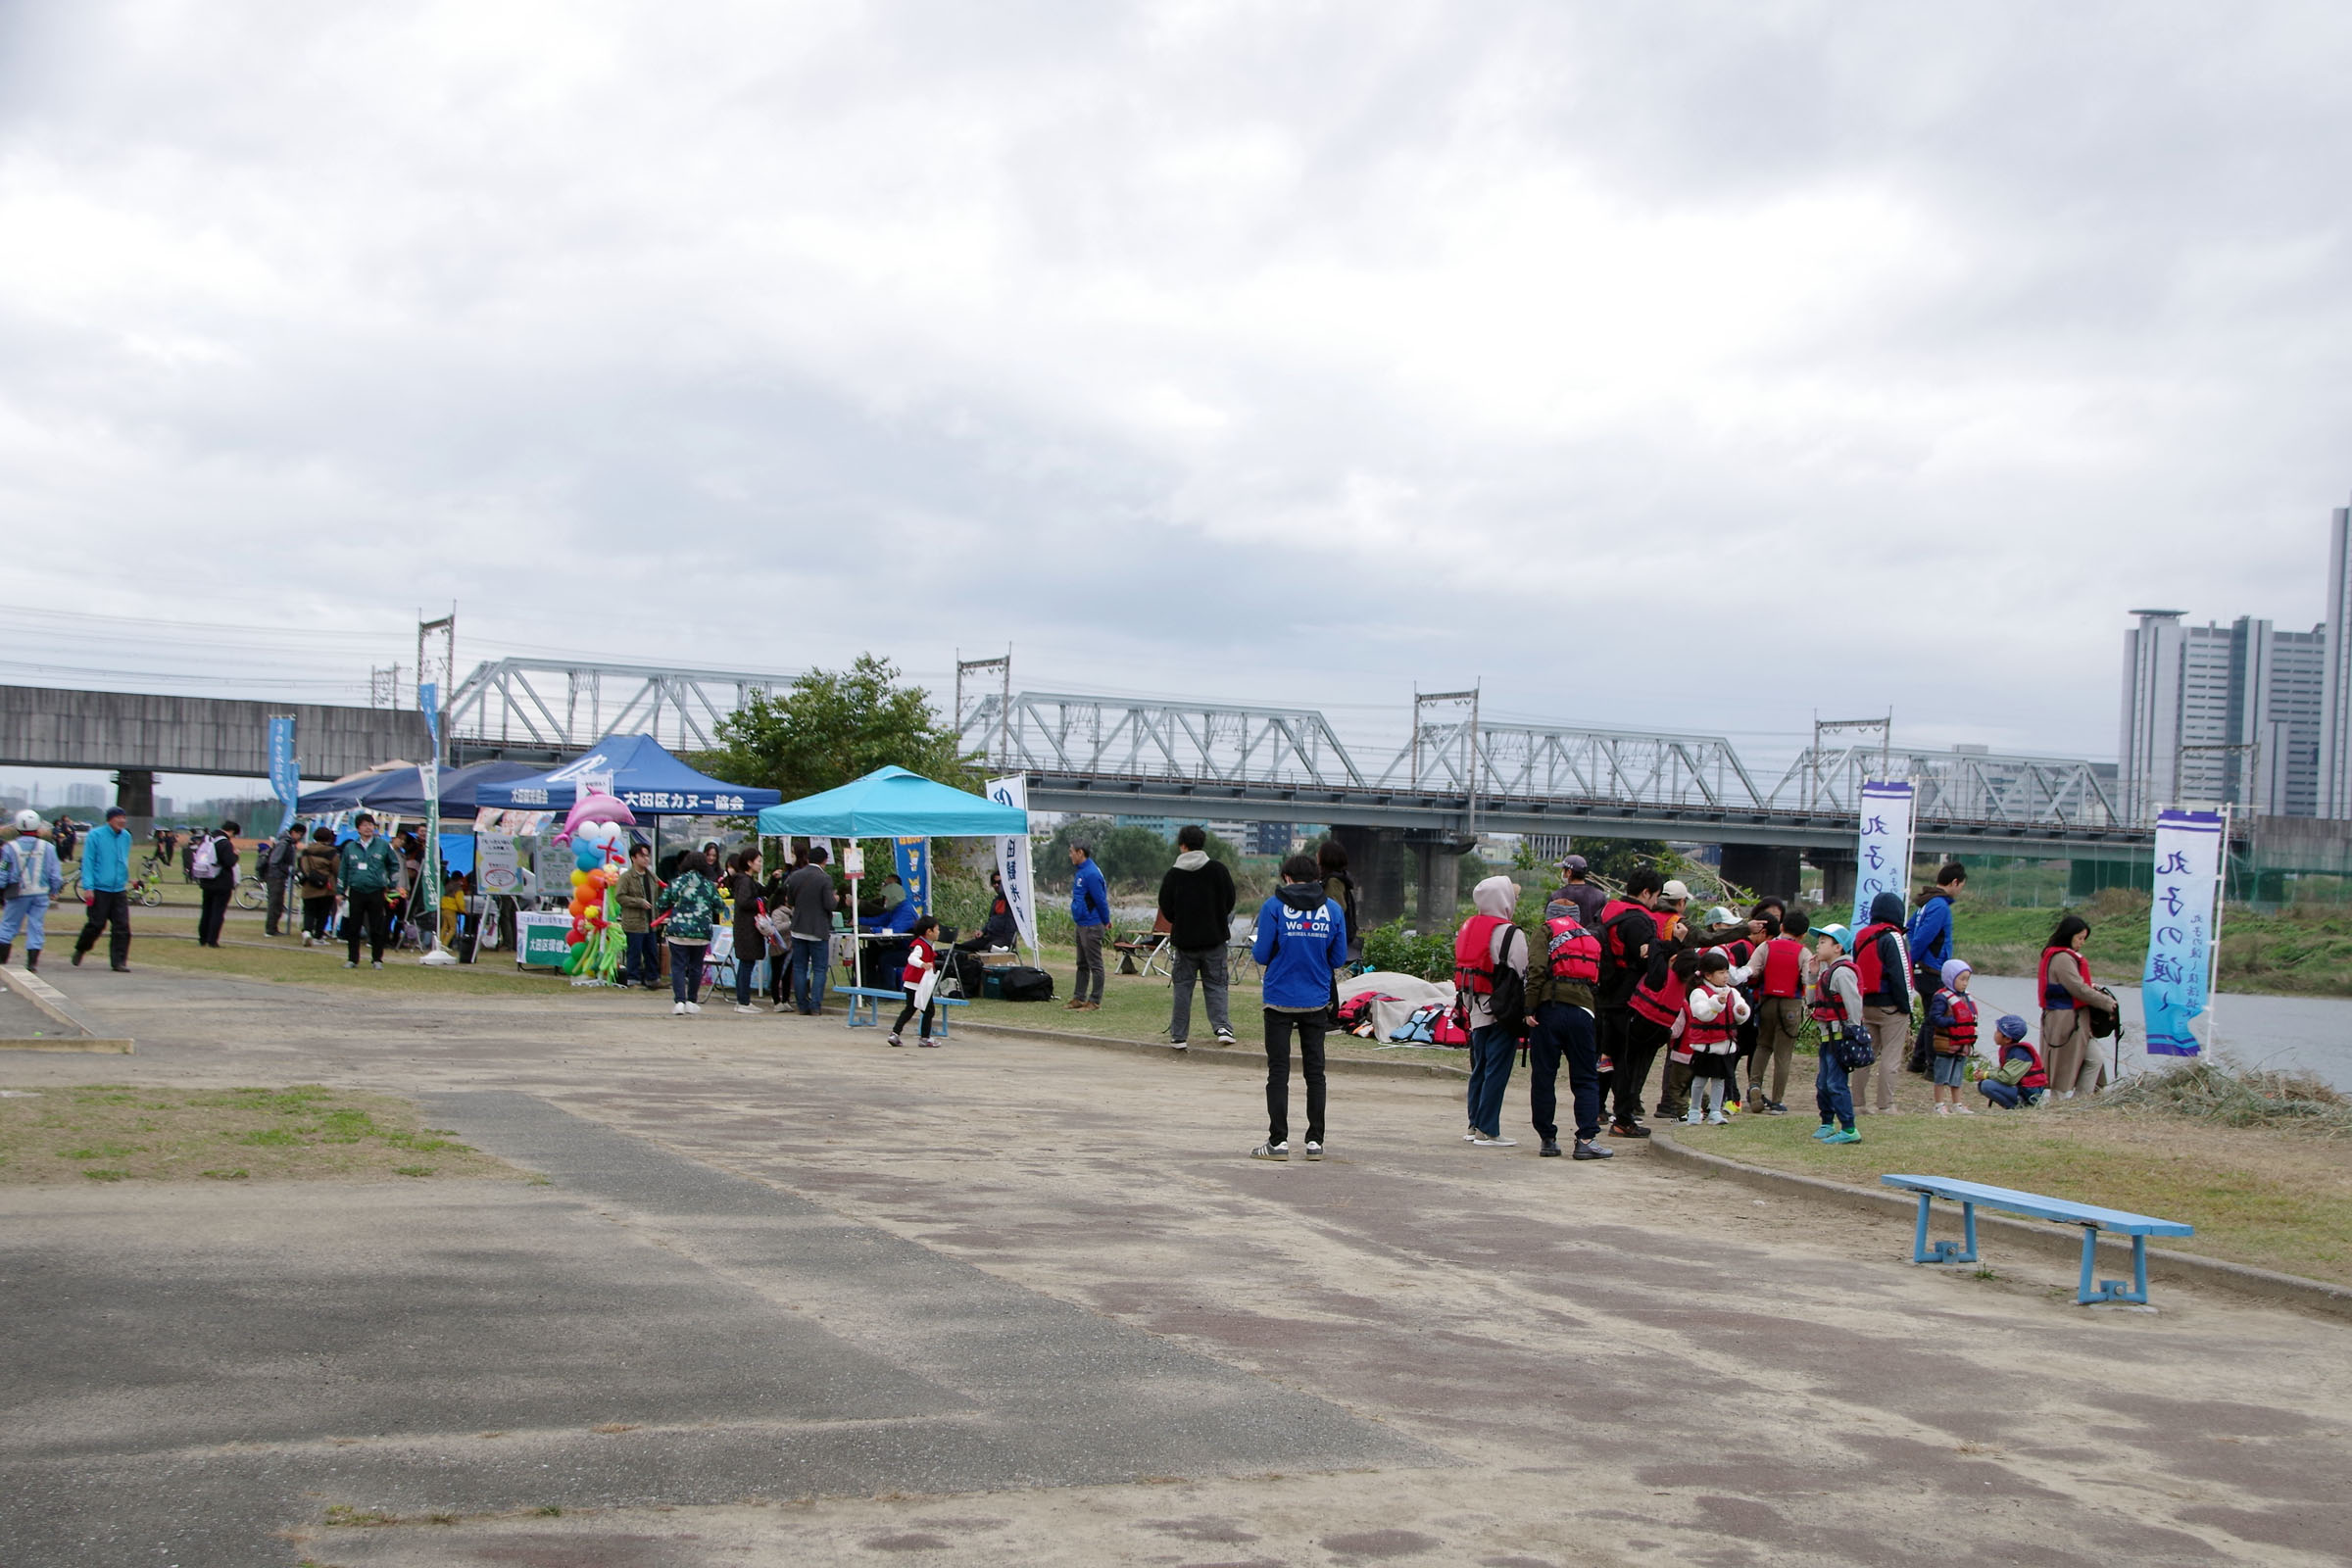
(85, 795)
(2335, 698)
(2222, 713)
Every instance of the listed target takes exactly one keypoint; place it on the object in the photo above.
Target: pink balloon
(596, 809)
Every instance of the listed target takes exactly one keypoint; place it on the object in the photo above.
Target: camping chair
(1149, 946)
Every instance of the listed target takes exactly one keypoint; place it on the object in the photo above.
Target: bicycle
(146, 886)
(248, 893)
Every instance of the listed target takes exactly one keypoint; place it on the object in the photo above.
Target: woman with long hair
(2068, 997)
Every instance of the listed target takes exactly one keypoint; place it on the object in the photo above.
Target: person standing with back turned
(1301, 944)
(1090, 912)
(216, 875)
(30, 876)
(1883, 971)
(814, 899)
(1196, 898)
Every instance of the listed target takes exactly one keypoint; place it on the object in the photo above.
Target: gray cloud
(1612, 354)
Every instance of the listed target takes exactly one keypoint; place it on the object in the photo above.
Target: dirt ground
(1609, 1363)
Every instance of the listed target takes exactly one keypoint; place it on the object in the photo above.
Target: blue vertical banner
(1883, 853)
(285, 768)
(911, 859)
(425, 901)
(2174, 990)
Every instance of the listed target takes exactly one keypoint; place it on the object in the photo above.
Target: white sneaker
(694, 1007)
(1693, 1116)
(306, 939)
(1224, 1037)
(1484, 1142)
(1716, 1118)
(745, 1007)
(1315, 1151)
(1964, 1111)
(678, 1010)
(1470, 1136)
(1942, 1110)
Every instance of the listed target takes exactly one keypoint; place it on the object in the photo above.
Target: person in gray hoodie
(1196, 898)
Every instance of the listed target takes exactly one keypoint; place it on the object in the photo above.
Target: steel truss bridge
(1101, 755)
(1116, 756)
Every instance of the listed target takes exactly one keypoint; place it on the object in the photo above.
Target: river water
(2283, 1032)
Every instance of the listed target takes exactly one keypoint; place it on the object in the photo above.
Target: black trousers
(275, 916)
(316, 913)
(1563, 1032)
(107, 909)
(366, 907)
(907, 1011)
(1311, 1027)
(1643, 1042)
(212, 915)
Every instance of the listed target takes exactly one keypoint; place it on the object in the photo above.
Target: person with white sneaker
(1490, 977)
(690, 907)
(1713, 1010)
(1301, 946)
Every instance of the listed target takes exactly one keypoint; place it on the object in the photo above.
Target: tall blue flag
(285, 769)
(2180, 929)
(911, 859)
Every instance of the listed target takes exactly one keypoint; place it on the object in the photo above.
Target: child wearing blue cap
(1836, 1008)
(2020, 1079)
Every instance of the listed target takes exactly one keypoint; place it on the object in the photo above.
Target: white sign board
(498, 863)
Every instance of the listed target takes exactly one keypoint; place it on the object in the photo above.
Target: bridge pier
(1376, 859)
(134, 792)
(1774, 871)
(1440, 859)
(1837, 867)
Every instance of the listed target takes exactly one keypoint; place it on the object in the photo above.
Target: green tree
(833, 726)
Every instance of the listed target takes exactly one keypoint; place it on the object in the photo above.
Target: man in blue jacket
(1090, 912)
(1929, 939)
(106, 889)
(1301, 944)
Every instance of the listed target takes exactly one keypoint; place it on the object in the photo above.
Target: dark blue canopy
(400, 791)
(649, 780)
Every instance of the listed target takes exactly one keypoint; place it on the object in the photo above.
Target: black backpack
(1018, 982)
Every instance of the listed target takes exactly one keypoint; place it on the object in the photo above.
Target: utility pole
(1823, 726)
(1003, 666)
(1471, 760)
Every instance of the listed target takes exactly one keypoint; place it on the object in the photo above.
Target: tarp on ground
(893, 803)
(400, 791)
(647, 778)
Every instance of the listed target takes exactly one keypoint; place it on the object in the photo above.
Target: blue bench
(871, 998)
(2093, 1218)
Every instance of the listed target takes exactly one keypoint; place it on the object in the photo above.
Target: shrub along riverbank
(2304, 951)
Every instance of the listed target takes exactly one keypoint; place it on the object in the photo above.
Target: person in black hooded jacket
(1196, 898)
(1885, 998)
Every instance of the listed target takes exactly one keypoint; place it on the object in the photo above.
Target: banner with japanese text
(911, 859)
(285, 771)
(2180, 934)
(1883, 856)
(1012, 860)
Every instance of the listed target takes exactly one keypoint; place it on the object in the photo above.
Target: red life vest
(1784, 968)
(1706, 1034)
(1613, 931)
(2056, 998)
(2037, 1077)
(1870, 965)
(1960, 1035)
(1827, 1007)
(1660, 1003)
(1575, 953)
(1473, 954)
(1737, 951)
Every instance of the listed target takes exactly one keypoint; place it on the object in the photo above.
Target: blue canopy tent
(892, 802)
(400, 791)
(646, 778)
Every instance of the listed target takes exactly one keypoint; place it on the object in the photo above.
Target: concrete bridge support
(1376, 859)
(1837, 867)
(1771, 870)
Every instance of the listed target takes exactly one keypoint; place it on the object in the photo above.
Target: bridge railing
(1209, 742)
(566, 704)
(1956, 786)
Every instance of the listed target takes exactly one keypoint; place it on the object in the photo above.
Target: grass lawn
(123, 1132)
(165, 939)
(2277, 1199)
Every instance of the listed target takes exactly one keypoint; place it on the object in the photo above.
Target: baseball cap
(1674, 893)
(2011, 1027)
(1844, 936)
(1720, 915)
(1572, 863)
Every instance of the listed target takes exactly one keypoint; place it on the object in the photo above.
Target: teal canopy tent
(890, 802)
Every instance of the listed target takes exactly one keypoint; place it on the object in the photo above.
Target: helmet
(29, 821)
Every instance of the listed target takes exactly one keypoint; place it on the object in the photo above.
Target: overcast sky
(1614, 354)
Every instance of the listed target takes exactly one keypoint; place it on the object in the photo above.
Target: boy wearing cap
(1952, 1031)
(2020, 1079)
(1837, 1008)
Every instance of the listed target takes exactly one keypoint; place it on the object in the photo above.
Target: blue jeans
(1831, 1092)
(809, 962)
(28, 912)
(1563, 1031)
(1490, 1053)
(686, 970)
(640, 961)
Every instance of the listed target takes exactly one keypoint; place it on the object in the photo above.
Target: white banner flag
(1012, 860)
(1882, 857)
(2181, 929)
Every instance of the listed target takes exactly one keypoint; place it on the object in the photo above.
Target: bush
(2221, 1090)
(1428, 957)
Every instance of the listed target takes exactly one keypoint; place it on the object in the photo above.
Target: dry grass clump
(2229, 1094)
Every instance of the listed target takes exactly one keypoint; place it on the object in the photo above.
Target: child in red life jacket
(1712, 1013)
(920, 976)
(1952, 1023)
(2020, 1079)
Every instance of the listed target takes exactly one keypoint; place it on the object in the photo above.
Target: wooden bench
(871, 998)
(2035, 1205)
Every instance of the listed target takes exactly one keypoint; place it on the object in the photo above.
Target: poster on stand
(2173, 989)
(1883, 853)
(1012, 860)
(500, 863)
